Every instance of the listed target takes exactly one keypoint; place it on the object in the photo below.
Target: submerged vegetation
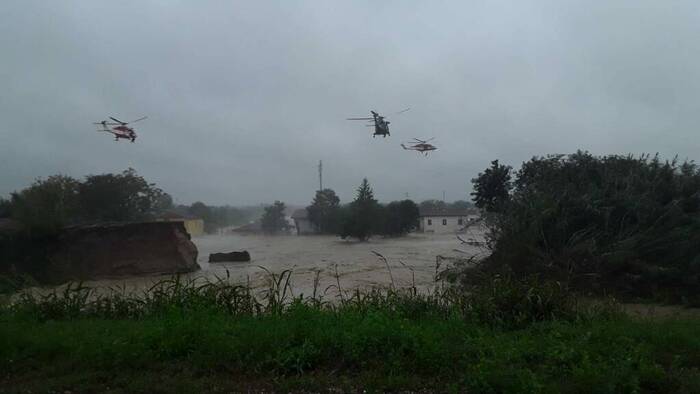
(614, 224)
(363, 217)
(509, 335)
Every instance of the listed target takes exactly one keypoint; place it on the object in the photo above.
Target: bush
(614, 223)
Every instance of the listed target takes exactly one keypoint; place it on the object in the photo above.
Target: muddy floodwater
(411, 258)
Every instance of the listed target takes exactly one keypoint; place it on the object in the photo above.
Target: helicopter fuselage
(124, 132)
(381, 126)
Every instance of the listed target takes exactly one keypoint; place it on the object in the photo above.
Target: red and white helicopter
(420, 146)
(121, 130)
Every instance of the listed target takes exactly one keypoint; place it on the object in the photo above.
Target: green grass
(506, 336)
(308, 348)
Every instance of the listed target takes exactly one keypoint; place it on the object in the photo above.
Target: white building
(446, 220)
(302, 223)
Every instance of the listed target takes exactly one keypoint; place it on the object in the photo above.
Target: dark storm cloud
(244, 98)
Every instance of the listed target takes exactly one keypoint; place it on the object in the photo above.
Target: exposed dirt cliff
(118, 250)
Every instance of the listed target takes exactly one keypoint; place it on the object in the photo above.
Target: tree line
(52, 203)
(362, 218)
(57, 201)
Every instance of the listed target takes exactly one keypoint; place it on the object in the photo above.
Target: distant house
(193, 225)
(446, 220)
(302, 223)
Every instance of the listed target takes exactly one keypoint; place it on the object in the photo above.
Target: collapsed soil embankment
(119, 250)
(107, 250)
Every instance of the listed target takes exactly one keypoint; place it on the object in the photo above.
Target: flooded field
(409, 258)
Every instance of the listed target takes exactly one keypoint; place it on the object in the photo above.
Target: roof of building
(447, 212)
(300, 214)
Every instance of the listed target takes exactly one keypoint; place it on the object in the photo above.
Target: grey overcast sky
(244, 98)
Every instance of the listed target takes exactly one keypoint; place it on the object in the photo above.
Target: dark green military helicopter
(380, 124)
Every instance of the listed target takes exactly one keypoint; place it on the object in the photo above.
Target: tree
(360, 220)
(492, 187)
(5, 208)
(400, 217)
(599, 223)
(121, 197)
(46, 205)
(273, 220)
(324, 211)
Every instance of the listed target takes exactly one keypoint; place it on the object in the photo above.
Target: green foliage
(121, 197)
(273, 220)
(12, 283)
(365, 217)
(613, 223)
(492, 187)
(399, 217)
(360, 219)
(203, 333)
(46, 205)
(5, 208)
(510, 302)
(324, 211)
(50, 204)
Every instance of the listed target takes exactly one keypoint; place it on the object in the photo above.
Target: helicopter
(121, 130)
(420, 146)
(379, 122)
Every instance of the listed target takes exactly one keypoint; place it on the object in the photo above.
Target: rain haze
(244, 98)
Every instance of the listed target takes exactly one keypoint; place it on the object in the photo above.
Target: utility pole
(443, 195)
(320, 175)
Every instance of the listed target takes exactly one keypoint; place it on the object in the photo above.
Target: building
(446, 220)
(193, 225)
(302, 223)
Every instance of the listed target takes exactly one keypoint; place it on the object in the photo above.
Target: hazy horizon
(244, 98)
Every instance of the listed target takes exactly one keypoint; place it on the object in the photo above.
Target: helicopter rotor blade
(139, 119)
(359, 119)
(118, 121)
(402, 111)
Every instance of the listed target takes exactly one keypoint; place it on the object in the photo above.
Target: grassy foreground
(185, 338)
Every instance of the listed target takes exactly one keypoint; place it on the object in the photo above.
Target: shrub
(615, 223)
